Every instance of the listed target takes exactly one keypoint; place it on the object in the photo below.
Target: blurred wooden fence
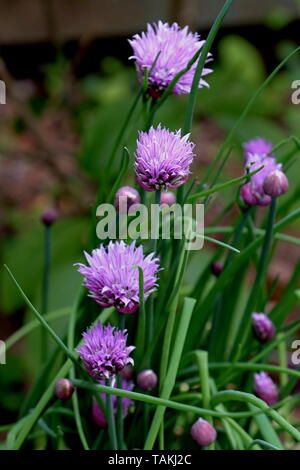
(42, 20)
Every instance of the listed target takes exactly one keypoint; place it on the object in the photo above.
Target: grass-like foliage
(202, 372)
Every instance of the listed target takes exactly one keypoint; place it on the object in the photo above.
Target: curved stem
(230, 395)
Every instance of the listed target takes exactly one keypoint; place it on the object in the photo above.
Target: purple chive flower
(167, 198)
(104, 351)
(263, 328)
(175, 47)
(257, 146)
(132, 197)
(113, 278)
(147, 379)
(276, 184)
(265, 388)
(203, 432)
(253, 192)
(162, 159)
(98, 414)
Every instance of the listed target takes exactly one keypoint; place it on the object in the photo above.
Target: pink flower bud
(147, 379)
(129, 197)
(276, 184)
(263, 328)
(127, 372)
(49, 216)
(203, 432)
(64, 389)
(167, 198)
(265, 388)
(217, 268)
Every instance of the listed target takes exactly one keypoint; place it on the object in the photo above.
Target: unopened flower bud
(203, 432)
(217, 268)
(265, 388)
(147, 379)
(167, 198)
(49, 216)
(125, 197)
(127, 372)
(64, 389)
(276, 184)
(263, 328)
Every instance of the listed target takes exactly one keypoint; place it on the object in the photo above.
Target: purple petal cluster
(172, 48)
(263, 328)
(112, 276)
(98, 414)
(253, 192)
(104, 351)
(257, 146)
(265, 388)
(162, 159)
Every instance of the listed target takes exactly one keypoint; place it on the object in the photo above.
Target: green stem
(282, 356)
(187, 126)
(167, 403)
(29, 420)
(171, 318)
(72, 375)
(202, 362)
(263, 444)
(245, 112)
(221, 186)
(120, 419)
(111, 419)
(45, 289)
(230, 395)
(172, 371)
(201, 63)
(255, 367)
(141, 333)
(19, 334)
(260, 274)
(118, 141)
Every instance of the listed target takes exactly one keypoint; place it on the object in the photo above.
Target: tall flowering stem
(120, 421)
(45, 287)
(111, 418)
(198, 72)
(245, 112)
(260, 273)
